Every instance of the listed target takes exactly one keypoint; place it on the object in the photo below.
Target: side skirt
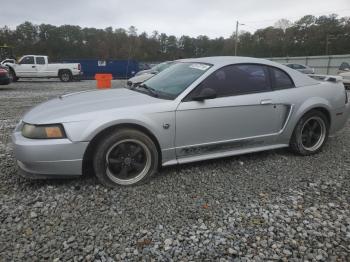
(196, 158)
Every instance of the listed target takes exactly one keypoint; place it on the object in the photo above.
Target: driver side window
(238, 79)
(28, 60)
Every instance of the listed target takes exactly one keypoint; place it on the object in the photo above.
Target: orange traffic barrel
(103, 80)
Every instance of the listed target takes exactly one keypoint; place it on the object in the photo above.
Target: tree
(283, 24)
(307, 36)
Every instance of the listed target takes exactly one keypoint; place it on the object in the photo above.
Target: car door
(242, 115)
(26, 67)
(41, 66)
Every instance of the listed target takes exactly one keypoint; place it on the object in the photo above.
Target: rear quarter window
(281, 80)
(40, 60)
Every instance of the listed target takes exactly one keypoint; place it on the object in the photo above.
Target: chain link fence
(322, 64)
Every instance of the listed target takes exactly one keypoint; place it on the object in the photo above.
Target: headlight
(54, 131)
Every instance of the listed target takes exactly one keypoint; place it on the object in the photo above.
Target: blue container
(120, 69)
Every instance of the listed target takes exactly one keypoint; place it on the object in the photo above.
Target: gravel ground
(266, 206)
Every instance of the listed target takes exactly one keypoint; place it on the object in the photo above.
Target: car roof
(220, 61)
(34, 55)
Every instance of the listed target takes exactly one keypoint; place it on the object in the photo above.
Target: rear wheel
(127, 157)
(310, 134)
(65, 76)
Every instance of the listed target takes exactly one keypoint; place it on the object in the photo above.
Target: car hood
(87, 105)
(146, 71)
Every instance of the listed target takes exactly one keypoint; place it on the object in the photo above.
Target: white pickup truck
(37, 66)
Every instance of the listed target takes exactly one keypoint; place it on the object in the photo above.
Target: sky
(214, 18)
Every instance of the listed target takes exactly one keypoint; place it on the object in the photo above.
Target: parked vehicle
(195, 110)
(144, 66)
(37, 66)
(144, 75)
(4, 75)
(301, 68)
(344, 72)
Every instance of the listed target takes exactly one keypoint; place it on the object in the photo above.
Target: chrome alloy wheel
(128, 161)
(313, 133)
(65, 77)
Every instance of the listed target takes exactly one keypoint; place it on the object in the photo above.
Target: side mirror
(206, 93)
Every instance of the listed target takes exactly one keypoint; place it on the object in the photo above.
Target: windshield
(171, 82)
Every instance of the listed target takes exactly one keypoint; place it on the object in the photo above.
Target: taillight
(79, 67)
(3, 71)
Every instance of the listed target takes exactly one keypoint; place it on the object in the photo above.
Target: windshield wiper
(150, 90)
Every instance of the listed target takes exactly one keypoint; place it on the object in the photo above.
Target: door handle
(266, 102)
(33, 66)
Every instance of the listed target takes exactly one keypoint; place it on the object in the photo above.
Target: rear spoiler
(328, 78)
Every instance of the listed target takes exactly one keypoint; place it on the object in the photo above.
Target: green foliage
(307, 36)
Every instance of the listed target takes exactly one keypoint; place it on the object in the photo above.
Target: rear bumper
(346, 83)
(48, 157)
(77, 73)
(346, 80)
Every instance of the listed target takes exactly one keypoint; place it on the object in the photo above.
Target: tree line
(308, 36)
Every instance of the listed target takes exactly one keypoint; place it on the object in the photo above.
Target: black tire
(12, 75)
(143, 156)
(301, 143)
(65, 76)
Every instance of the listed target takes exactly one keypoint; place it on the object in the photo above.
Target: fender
(10, 67)
(64, 69)
(300, 110)
(314, 102)
(87, 130)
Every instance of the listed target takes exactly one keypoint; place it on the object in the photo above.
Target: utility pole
(329, 37)
(327, 44)
(236, 37)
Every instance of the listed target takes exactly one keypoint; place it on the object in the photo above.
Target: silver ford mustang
(197, 109)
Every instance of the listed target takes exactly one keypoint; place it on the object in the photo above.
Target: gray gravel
(265, 206)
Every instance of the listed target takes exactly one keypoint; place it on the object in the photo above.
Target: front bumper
(48, 157)
(4, 80)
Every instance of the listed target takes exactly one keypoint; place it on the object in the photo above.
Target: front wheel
(310, 134)
(126, 157)
(12, 76)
